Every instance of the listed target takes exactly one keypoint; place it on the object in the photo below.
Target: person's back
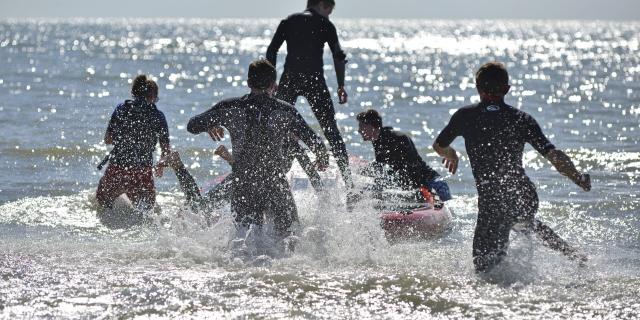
(495, 136)
(398, 151)
(136, 127)
(306, 34)
(259, 126)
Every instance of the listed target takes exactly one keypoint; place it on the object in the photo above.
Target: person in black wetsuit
(398, 152)
(306, 34)
(495, 134)
(135, 128)
(259, 125)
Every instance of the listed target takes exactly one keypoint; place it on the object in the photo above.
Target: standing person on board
(135, 128)
(495, 134)
(306, 34)
(259, 125)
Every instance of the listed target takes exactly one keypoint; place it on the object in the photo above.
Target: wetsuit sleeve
(206, 120)
(114, 122)
(163, 129)
(535, 137)
(278, 38)
(339, 57)
(451, 131)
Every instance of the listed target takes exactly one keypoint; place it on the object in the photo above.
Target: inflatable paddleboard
(415, 224)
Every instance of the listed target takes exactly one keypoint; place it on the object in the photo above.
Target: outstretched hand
(343, 97)
(216, 133)
(584, 182)
(158, 171)
(224, 153)
(451, 164)
(449, 157)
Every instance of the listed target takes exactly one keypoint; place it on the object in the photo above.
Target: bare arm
(449, 155)
(565, 166)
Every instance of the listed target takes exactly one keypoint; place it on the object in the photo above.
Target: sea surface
(61, 79)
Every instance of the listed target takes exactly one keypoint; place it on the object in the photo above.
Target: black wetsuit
(495, 135)
(136, 128)
(306, 34)
(398, 152)
(259, 126)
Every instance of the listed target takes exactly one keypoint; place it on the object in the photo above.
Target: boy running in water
(495, 134)
(259, 125)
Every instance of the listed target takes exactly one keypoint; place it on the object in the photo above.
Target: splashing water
(62, 79)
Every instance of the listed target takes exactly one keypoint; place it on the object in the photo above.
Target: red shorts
(136, 183)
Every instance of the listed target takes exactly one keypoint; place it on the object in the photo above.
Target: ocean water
(61, 79)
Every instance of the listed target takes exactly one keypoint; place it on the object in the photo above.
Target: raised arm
(278, 38)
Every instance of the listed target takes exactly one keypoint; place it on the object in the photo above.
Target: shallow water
(61, 80)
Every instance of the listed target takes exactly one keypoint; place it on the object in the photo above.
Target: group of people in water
(266, 130)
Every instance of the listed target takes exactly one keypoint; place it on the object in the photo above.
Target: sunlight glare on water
(62, 79)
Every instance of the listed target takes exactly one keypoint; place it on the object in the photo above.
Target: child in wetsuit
(135, 128)
(495, 134)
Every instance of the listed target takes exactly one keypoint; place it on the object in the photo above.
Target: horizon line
(334, 19)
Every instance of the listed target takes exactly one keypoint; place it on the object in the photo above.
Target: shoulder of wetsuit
(472, 109)
(232, 101)
(296, 14)
(124, 106)
(159, 113)
(126, 103)
(283, 104)
(389, 133)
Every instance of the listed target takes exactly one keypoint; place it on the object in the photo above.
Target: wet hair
(492, 78)
(370, 117)
(262, 74)
(313, 3)
(143, 86)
